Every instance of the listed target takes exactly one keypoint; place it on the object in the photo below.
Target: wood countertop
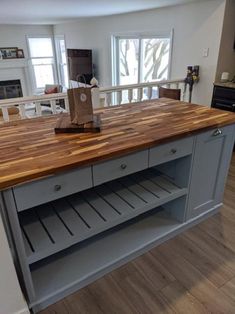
(29, 149)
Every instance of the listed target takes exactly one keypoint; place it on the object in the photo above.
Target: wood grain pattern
(168, 279)
(29, 149)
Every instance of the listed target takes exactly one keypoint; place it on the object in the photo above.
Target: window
(42, 61)
(61, 60)
(140, 59)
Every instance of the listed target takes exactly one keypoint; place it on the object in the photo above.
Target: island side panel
(19, 242)
(212, 156)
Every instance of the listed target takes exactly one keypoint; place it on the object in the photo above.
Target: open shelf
(77, 266)
(55, 226)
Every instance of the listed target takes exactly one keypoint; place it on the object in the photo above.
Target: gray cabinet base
(83, 265)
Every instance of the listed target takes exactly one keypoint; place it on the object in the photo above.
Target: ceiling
(58, 11)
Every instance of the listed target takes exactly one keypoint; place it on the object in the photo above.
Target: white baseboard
(24, 311)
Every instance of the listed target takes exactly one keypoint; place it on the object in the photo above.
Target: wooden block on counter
(64, 125)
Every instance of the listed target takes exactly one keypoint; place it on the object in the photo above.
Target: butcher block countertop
(29, 149)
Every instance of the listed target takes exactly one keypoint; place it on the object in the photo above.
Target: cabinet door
(212, 155)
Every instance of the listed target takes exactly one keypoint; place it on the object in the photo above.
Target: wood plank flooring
(193, 273)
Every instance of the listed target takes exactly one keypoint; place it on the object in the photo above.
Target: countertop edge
(7, 184)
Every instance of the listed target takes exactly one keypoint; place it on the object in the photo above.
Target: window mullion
(140, 61)
(118, 59)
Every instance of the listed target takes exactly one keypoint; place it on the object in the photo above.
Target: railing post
(150, 92)
(38, 108)
(139, 94)
(53, 105)
(5, 114)
(119, 97)
(22, 110)
(130, 95)
(66, 104)
(108, 97)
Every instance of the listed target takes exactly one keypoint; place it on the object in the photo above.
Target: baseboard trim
(24, 311)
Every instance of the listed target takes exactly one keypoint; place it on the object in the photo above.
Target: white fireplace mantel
(16, 69)
(13, 63)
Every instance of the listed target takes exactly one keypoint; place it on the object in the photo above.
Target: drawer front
(120, 167)
(51, 188)
(170, 151)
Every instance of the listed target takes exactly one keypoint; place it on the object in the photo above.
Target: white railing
(34, 106)
(138, 92)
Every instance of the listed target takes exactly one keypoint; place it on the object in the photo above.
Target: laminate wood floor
(193, 273)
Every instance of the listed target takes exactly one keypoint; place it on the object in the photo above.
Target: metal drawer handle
(217, 132)
(123, 166)
(57, 187)
(173, 151)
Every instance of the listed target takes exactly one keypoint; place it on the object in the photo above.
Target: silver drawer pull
(173, 151)
(217, 132)
(123, 166)
(57, 187)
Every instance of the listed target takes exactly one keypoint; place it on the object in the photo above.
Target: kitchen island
(77, 206)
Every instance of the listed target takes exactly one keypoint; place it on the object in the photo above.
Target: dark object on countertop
(64, 125)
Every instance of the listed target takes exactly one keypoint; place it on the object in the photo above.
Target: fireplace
(10, 89)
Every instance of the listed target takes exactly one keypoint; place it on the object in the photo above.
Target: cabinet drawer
(120, 167)
(51, 188)
(170, 151)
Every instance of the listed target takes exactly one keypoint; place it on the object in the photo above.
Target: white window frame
(61, 80)
(54, 64)
(140, 36)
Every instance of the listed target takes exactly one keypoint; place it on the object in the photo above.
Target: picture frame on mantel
(20, 53)
(9, 52)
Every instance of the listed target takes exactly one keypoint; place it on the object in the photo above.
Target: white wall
(226, 61)
(15, 36)
(11, 299)
(196, 26)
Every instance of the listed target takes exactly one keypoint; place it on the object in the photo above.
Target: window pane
(62, 51)
(42, 61)
(43, 75)
(128, 61)
(40, 47)
(155, 57)
(65, 75)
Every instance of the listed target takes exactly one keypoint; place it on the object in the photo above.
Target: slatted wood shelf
(75, 268)
(54, 226)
